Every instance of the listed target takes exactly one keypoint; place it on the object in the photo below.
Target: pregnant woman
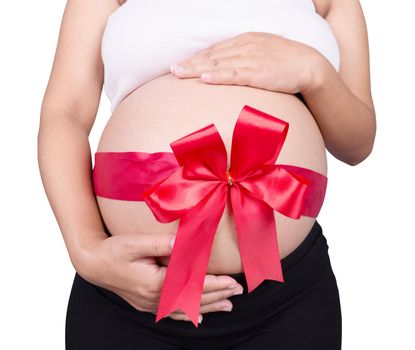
(258, 90)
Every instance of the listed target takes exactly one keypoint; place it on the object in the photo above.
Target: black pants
(303, 313)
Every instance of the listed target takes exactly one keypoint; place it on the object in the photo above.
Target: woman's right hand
(126, 265)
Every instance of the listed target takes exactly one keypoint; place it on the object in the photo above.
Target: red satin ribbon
(194, 187)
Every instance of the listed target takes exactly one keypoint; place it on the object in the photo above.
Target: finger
(184, 317)
(223, 305)
(220, 45)
(220, 295)
(237, 42)
(197, 68)
(143, 245)
(226, 42)
(156, 281)
(215, 53)
(235, 76)
(213, 283)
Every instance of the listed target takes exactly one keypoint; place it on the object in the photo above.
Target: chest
(167, 23)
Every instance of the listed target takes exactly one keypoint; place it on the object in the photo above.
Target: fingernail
(238, 291)
(172, 242)
(227, 307)
(177, 69)
(207, 76)
(200, 318)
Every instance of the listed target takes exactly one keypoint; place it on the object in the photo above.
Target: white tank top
(143, 38)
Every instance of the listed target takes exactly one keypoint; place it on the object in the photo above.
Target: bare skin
(120, 263)
(67, 115)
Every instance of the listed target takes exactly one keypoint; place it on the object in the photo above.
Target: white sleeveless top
(143, 38)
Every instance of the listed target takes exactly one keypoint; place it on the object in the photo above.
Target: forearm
(65, 166)
(347, 124)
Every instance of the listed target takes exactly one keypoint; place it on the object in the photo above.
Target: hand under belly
(168, 108)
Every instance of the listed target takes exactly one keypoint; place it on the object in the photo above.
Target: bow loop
(281, 189)
(202, 152)
(173, 197)
(257, 139)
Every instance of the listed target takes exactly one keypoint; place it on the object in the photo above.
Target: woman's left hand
(257, 59)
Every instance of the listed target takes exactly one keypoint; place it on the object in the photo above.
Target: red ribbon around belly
(196, 192)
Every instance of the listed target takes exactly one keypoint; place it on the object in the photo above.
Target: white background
(367, 216)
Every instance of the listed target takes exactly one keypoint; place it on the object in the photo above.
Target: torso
(167, 108)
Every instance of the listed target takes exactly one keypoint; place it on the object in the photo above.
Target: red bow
(197, 194)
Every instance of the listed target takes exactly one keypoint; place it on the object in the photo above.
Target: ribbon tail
(257, 238)
(183, 283)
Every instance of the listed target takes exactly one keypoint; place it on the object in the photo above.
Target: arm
(68, 112)
(120, 263)
(341, 102)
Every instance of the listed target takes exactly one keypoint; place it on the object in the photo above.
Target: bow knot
(229, 177)
(196, 194)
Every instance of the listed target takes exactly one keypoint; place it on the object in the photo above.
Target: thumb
(153, 244)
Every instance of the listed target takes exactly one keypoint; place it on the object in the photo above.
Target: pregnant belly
(167, 108)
